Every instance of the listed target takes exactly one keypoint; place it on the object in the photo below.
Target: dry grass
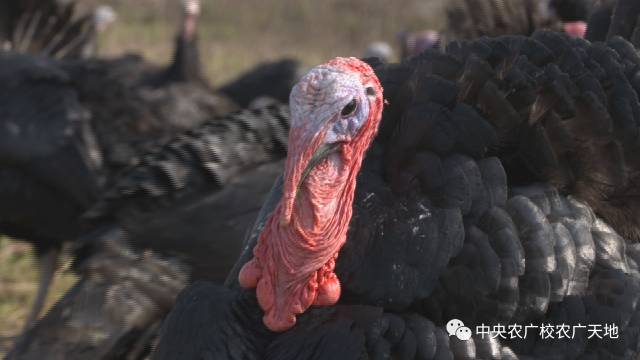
(18, 282)
(234, 35)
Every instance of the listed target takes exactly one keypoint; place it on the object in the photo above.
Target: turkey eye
(371, 91)
(350, 108)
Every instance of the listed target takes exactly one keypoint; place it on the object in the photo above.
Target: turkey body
(49, 167)
(501, 189)
(72, 126)
(268, 79)
(206, 183)
(68, 127)
(467, 20)
(177, 216)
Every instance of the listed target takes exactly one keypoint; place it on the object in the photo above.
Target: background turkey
(501, 188)
(468, 19)
(70, 126)
(206, 184)
(472, 19)
(52, 28)
(180, 214)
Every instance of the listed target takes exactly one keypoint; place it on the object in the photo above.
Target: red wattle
(250, 274)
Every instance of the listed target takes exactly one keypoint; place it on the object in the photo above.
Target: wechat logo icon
(456, 327)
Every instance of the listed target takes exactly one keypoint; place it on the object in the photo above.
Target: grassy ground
(18, 282)
(234, 35)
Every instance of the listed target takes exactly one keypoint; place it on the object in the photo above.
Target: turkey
(501, 189)
(208, 180)
(416, 42)
(99, 118)
(147, 104)
(52, 28)
(573, 14)
(48, 167)
(69, 126)
(470, 19)
(179, 215)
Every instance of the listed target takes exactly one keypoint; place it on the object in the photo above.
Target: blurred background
(234, 35)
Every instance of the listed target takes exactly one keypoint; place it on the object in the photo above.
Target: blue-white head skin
(336, 106)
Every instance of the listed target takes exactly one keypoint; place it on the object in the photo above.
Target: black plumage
(206, 183)
(531, 218)
(71, 126)
(113, 311)
(599, 21)
(572, 10)
(268, 79)
(48, 169)
(469, 19)
(187, 204)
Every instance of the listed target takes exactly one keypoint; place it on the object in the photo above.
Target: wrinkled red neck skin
(293, 264)
(294, 259)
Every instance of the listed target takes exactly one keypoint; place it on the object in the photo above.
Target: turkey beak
(320, 154)
(297, 169)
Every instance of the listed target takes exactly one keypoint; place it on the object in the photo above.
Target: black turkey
(468, 19)
(99, 118)
(206, 183)
(69, 126)
(502, 188)
(573, 10)
(179, 215)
